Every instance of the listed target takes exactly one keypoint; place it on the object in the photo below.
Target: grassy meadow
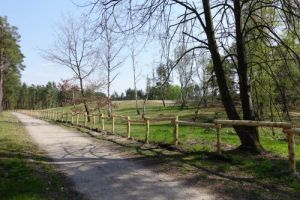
(257, 176)
(190, 138)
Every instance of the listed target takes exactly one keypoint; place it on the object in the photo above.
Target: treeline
(172, 92)
(51, 95)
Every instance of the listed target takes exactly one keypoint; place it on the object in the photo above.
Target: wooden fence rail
(62, 116)
(254, 123)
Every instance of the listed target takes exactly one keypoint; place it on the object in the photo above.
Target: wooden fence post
(128, 127)
(292, 155)
(112, 124)
(102, 122)
(175, 131)
(147, 131)
(72, 118)
(67, 117)
(77, 119)
(218, 130)
(85, 119)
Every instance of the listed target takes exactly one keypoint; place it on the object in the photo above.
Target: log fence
(287, 128)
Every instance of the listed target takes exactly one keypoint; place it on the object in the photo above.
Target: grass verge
(24, 174)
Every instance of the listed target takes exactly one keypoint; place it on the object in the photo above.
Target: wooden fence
(73, 118)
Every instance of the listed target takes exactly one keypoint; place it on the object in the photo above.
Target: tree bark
(1, 89)
(134, 83)
(84, 100)
(109, 107)
(248, 135)
(136, 102)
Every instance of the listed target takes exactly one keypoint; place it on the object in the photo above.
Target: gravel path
(100, 173)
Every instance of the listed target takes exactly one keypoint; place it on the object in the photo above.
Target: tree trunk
(145, 101)
(134, 83)
(182, 97)
(248, 135)
(135, 94)
(136, 104)
(271, 106)
(84, 100)
(109, 107)
(163, 100)
(285, 108)
(252, 142)
(1, 89)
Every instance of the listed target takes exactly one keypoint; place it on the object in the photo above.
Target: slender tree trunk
(285, 108)
(182, 96)
(163, 97)
(1, 89)
(204, 89)
(84, 100)
(109, 107)
(145, 101)
(134, 82)
(248, 136)
(271, 106)
(136, 103)
(73, 97)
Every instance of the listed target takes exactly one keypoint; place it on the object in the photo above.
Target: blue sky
(36, 21)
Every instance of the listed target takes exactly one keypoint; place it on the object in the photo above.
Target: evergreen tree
(11, 60)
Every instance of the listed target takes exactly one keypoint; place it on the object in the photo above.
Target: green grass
(190, 138)
(239, 175)
(257, 176)
(23, 174)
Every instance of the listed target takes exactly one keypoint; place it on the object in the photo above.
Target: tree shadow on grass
(252, 177)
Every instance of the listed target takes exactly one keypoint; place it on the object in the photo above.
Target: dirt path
(100, 173)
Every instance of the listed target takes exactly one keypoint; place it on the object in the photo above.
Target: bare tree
(135, 77)
(74, 48)
(217, 27)
(185, 70)
(110, 60)
(204, 80)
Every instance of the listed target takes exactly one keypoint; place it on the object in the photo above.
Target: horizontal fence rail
(254, 123)
(90, 121)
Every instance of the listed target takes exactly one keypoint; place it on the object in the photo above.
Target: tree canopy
(11, 59)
